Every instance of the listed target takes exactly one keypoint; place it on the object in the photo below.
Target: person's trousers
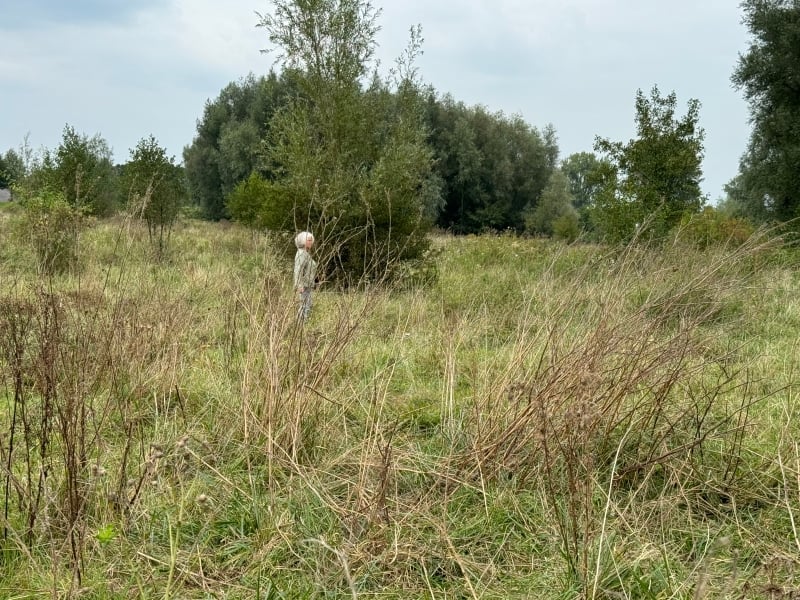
(305, 305)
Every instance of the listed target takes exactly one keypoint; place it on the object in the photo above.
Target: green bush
(51, 225)
(349, 157)
(157, 189)
(256, 202)
(711, 227)
(567, 227)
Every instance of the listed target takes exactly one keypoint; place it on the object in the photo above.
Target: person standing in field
(305, 271)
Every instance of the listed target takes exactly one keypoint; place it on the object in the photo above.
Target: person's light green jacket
(305, 270)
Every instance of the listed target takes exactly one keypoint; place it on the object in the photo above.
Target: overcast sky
(126, 69)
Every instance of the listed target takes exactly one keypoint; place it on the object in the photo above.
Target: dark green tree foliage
(584, 171)
(554, 206)
(13, 169)
(5, 173)
(492, 167)
(769, 75)
(156, 187)
(229, 137)
(740, 202)
(81, 169)
(652, 180)
(347, 156)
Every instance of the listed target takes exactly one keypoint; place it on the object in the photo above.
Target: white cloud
(221, 35)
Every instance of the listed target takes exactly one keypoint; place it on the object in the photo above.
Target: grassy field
(540, 421)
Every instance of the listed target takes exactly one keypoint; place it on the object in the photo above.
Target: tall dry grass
(542, 421)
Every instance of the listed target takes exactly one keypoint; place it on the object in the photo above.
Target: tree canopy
(555, 210)
(345, 158)
(156, 187)
(229, 139)
(5, 173)
(769, 75)
(655, 178)
(492, 167)
(81, 170)
(488, 168)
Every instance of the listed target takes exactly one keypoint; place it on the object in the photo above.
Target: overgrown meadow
(537, 420)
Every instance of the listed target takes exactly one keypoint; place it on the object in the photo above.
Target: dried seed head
(98, 471)
(201, 499)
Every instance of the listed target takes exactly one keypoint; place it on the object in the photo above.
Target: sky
(124, 69)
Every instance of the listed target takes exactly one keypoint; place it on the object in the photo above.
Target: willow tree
(348, 154)
(768, 185)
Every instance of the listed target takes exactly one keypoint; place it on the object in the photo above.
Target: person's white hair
(300, 238)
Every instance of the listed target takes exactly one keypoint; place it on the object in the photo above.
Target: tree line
(488, 171)
(375, 161)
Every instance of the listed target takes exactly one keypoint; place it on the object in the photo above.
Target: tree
(5, 175)
(12, 169)
(81, 169)
(769, 75)
(492, 167)
(652, 180)
(156, 187)
(347, 156)
(584, 171)
(554, 207)
(739, 203)
(227, 147)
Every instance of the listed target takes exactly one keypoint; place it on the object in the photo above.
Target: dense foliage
(488, 168)
(82, 171)
(768, 187)
(230, 134)
(555, 212)
(13, 170)
(6, 170)
(156, 188)
(492, 167)
(345, 159)
(584, 171)
(654, 179)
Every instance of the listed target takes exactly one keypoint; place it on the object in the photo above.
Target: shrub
(157, 189)
(711, 227)
(248, 198)
(51, 225)
(349, 158)
(567, 227)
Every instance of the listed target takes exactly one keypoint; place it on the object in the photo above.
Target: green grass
(541, 421)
